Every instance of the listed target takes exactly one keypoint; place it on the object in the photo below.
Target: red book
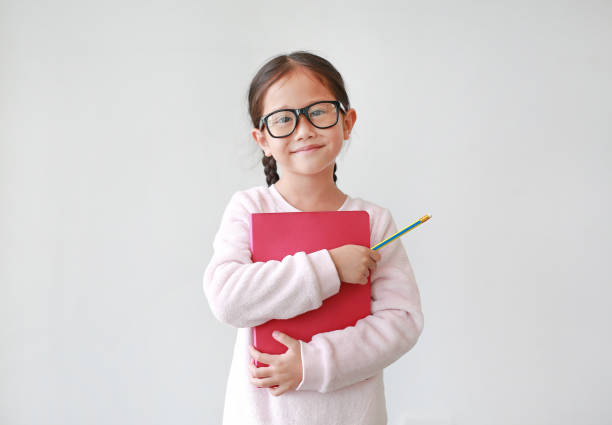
(276, 235)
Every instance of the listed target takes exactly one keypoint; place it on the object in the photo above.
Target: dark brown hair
(275, 69)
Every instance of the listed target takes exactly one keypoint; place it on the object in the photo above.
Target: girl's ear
(348, 122)
(260, 138)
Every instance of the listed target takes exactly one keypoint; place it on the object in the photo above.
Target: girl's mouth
(308, 148)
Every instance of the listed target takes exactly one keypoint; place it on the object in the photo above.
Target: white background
(124, 132)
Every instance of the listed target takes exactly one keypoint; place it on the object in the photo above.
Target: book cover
(276, 235)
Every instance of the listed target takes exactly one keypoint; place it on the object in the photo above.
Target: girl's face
(295, 90)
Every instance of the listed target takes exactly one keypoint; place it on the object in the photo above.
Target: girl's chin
(310, 171)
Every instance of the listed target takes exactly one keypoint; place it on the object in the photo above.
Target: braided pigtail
(269, 164)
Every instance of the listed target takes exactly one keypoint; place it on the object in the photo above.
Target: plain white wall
(124, 132)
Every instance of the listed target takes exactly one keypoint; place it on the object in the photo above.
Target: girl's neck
(311, 193)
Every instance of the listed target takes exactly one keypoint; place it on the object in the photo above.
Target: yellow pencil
(401, 232)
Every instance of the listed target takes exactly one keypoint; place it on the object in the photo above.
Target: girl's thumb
(281, 337)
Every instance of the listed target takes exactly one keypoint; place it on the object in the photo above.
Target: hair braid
(269, 164)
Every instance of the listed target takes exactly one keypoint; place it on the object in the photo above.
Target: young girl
(301, 115)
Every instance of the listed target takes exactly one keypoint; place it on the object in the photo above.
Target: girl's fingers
(264, 382)
(261, 357)
(371, 266)
(260, 372)
(375, 255)
(278, 390)
(286, 340)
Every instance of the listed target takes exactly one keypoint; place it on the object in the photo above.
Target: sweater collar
(286, 206)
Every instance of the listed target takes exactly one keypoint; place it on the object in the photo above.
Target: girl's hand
(354, 263)
(284, 371)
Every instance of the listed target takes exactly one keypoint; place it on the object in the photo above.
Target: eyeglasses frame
(302, 111)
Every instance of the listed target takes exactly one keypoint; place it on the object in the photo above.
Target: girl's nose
(304, 129)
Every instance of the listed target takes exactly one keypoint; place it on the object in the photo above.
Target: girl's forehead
(296, 89)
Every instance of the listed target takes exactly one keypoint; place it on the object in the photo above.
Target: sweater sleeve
(333, 360)
(245, 294)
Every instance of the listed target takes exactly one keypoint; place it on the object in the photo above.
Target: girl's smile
(309, 148)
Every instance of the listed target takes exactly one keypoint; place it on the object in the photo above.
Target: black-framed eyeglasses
(282, 123)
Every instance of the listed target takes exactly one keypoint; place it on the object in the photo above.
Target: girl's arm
(245, 294)
(333, 360)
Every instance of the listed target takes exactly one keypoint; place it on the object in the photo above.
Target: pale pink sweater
(342, 370)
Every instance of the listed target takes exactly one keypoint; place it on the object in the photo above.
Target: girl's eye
(282, 120)
(317, 112)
